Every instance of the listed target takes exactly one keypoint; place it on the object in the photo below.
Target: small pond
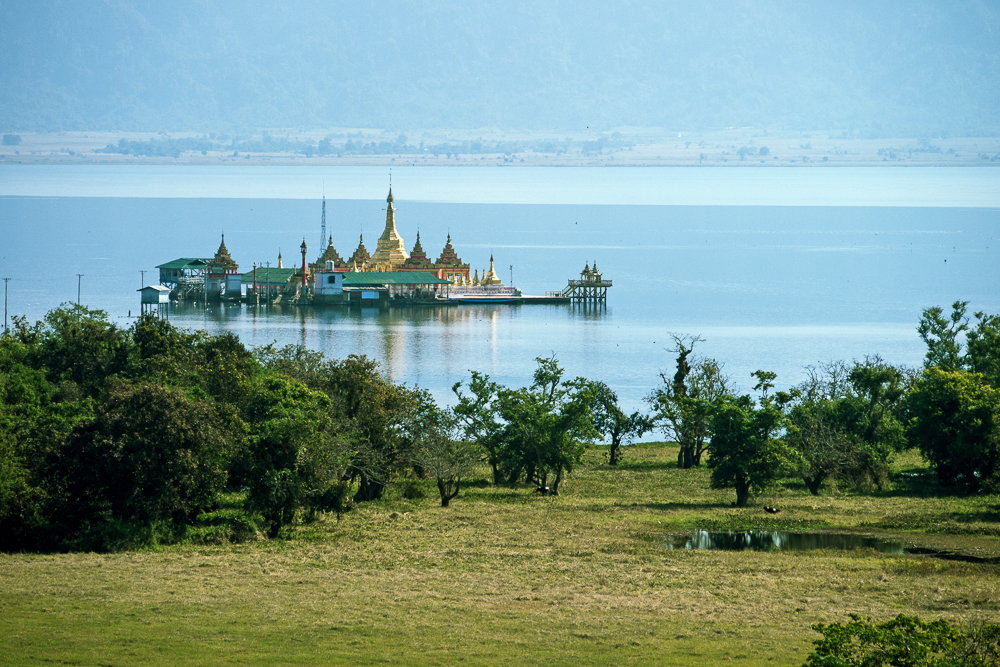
(765, 540)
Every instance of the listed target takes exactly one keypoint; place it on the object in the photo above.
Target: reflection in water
(762, 540)
(430, 346)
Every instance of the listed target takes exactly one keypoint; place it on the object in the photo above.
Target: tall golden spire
(390, 248)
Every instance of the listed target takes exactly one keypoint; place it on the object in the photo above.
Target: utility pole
(5, 281)
(79, 276)
(142, 279)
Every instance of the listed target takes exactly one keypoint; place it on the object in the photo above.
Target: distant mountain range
(884, 68)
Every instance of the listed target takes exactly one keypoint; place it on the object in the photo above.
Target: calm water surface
(768, 287)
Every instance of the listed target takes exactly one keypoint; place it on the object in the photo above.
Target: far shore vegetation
(168, 496)
(626, 146)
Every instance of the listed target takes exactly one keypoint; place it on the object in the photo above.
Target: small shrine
(491, 278)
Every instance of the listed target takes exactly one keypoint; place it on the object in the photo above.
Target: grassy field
(505, 576)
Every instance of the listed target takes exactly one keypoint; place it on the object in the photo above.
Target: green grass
(505, 576)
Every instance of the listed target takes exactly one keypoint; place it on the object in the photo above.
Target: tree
(613, 424)
(746, 452)
(377, 410)
(955, 423)
(905, 641)
(535, 432)
(952, 345)
(942, 336)
(826, 451)
(76, 344)
(151, 454)
(846, 422)
(546, 424)
(439, 450)
(296, 457)
(984, 348)
(683, 405)
(479, 416)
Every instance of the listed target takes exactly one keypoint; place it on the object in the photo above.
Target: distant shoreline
(652, 148)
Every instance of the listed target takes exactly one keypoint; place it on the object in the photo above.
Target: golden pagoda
(390, 251)
(491, 278)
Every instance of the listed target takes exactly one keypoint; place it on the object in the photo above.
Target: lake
(763, 264)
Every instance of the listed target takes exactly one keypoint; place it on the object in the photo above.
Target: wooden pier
(591, 287)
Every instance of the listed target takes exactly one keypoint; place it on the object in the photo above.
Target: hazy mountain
(904, 68)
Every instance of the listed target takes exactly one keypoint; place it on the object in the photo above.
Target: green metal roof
(372, 278)
(269, 276)
(186, 263)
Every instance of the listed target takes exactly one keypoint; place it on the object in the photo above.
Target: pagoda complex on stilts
(388, 276)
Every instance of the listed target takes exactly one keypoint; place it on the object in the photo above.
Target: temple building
(417, 260)
(360, 257)
(222, 270)
(390, 253)
(449, 266)
(330, 255)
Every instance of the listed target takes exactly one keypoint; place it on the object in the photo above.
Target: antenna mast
(322, 233)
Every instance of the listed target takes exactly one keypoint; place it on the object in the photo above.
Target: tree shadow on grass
(644, 466)
(666, 507)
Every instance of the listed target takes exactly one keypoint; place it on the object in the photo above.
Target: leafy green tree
(296, 459)
(984, 348)
(479, 414)
(905, 641)
(440, 451)
(309, 367)
(151, 454)
(377, 410)
(846, 422)
(953, 346)
(826, 451)
(546, 425)
(372, 411)
(746, 451)
(76, 344)
(955, 423)
(611, 422)
(536, 432)
(164, 353)
(683, 406)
